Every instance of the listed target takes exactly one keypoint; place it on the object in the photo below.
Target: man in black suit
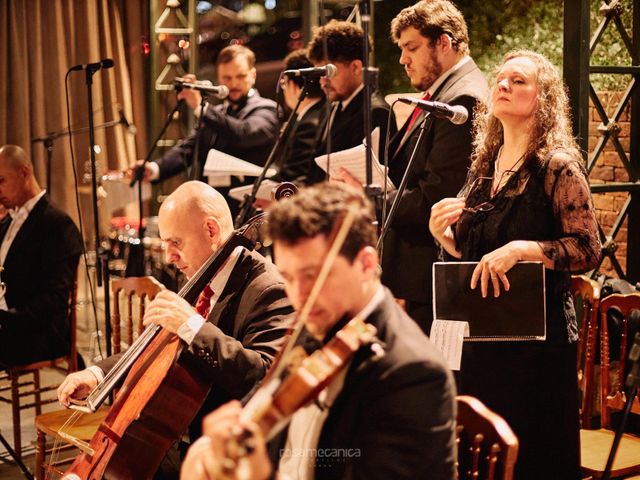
(296, 162)
(432, 35)
(344, 48)
(39, 251)
(390, 413)
(245, 125)
(239, 321)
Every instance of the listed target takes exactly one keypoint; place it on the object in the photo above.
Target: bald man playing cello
(239, 320)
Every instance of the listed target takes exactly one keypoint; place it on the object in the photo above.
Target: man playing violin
(390, 413)
(236, 331)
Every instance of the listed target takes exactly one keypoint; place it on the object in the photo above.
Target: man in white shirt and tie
(39, 250)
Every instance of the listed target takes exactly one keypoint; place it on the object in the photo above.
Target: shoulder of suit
(258, 101)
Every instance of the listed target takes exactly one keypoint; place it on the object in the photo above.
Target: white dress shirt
(300, 455)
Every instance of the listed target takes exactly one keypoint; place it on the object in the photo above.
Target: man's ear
(213, 230)
(368, 259)
(446, 42)
(356, 67)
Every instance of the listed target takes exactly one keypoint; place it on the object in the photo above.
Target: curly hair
(345, 42)
(551, 127)
(315, 210)
(432, 18)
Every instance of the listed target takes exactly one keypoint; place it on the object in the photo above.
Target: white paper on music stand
(264, 191)
(354, 160)
(448, 337)
(220, 164)
(118, 193)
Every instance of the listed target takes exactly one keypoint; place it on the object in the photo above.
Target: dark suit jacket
(395, 414)
(245, 329)
(439, 171)
(348, 126)
(296, 162)
(39, 270)
(247, 133)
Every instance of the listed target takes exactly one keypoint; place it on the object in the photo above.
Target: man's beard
(432, 74)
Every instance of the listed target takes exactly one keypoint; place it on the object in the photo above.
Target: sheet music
(448, 337)
(264, 191)
(220, 164)
(355, 160)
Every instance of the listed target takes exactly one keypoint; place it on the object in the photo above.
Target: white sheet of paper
(118, 192)
(354, 160)
(264, 191)
(448, 337)
(220, 164)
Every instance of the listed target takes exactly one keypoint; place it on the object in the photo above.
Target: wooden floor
(87, 347)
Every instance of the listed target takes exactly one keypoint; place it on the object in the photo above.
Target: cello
(162, 392)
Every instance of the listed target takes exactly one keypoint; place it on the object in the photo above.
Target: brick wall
(609, 168)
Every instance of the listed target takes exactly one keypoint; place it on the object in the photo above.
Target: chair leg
(15, 407)
(36, 391)
(41, 445)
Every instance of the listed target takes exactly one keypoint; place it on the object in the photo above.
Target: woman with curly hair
(526, 199)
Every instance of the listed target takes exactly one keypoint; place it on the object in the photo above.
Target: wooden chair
(586, 293)
(487, 447)
(21, 387)
(595, 444)
(133, 290)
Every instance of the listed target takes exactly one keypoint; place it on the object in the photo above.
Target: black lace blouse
(550, 204)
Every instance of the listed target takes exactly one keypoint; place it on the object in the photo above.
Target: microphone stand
(195, 164)
(403, 185)
(370, 78)
(633, 381)
(247, 203)
(138, 265)
(48, 139)
(102, 260)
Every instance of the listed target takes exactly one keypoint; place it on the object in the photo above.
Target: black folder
(518, 314)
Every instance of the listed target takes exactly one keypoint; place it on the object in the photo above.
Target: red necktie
(204, 302)
(416, 112)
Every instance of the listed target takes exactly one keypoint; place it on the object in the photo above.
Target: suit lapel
(440, 93)
(4, 226)
(24, 235)
(237, 278)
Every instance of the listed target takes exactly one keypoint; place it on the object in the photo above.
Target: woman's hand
(444, 214)
(494, 267)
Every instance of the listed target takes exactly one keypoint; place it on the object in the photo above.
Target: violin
(295, 379)
(162, 392)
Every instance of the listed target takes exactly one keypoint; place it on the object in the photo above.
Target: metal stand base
(27, 474)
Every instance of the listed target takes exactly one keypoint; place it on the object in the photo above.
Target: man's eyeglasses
(484, 206)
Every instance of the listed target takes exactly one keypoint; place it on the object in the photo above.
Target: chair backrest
(487, 447)
(612, 394)
(586, 294)
(144, 289)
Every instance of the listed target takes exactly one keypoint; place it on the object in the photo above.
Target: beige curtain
(39, 41)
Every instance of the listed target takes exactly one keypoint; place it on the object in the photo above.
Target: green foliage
(498, 26)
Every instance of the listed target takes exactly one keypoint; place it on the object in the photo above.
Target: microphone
(456, 114)
(329, 71)
(123, 121)
(93, 67)
(204, 86)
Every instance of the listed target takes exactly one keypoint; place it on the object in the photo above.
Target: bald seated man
(39, 251)
(236, 336)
